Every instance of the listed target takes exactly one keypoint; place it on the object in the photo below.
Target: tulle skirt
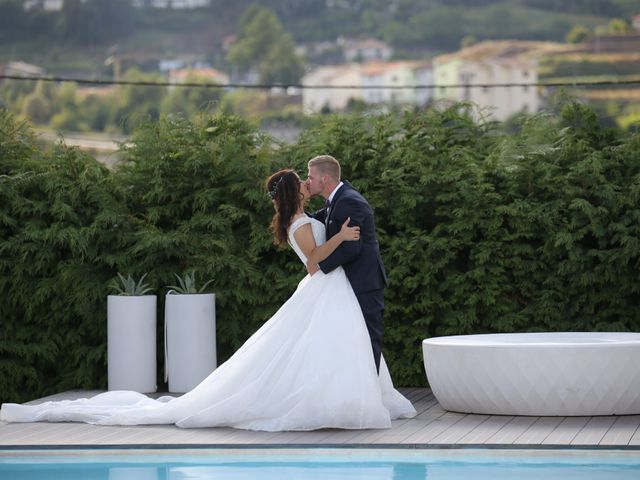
(309, 366)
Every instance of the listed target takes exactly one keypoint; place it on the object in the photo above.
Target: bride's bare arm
(315, 253)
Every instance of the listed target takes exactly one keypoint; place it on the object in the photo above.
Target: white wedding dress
(309, 366)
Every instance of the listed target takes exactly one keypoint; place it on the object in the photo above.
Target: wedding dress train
(309, 366)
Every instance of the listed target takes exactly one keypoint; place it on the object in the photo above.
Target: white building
(184, 61)
(368, 82)
(365, 50)
(177, 4)
(491, 63)
(395, 83)
(46, 5)
(21, 69)
(55, 5)
(315, 99)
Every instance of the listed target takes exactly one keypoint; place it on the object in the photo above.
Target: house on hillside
(384, 84)
(184, 61)
(177, 4)
(465, 75)
(206, 75)
(55, 5)
(46, 5)
(21, 69)
(365, 50)
(395, 83)
(315, 99)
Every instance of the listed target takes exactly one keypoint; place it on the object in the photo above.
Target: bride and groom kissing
(310, 365)
(360, 258)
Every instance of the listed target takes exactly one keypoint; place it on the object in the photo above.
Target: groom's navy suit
(360, 259)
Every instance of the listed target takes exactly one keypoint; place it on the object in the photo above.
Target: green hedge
(481, 231)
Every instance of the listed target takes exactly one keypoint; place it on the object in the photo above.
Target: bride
(308, 367)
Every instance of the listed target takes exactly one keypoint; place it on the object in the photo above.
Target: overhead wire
(300, 86)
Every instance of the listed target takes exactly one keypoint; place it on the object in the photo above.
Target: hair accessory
(274, 189)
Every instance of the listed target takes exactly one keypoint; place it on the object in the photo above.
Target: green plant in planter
(187, 285)
(128, 286)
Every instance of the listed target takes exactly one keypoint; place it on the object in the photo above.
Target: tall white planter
(190, 339)
(131, 343)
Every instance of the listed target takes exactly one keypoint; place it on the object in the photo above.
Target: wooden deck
(432, 427)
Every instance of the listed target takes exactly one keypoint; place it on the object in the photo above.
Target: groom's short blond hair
(326, 165)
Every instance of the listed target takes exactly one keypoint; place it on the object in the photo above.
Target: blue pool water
(319, 464)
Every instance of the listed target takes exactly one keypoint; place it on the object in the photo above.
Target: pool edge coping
(306, 446)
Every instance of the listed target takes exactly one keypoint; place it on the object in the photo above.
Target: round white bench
(566, 374)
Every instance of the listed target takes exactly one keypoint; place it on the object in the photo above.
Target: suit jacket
(360, 259)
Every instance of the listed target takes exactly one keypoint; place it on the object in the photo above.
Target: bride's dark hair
(283, 187)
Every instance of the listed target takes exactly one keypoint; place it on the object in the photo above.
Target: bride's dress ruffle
(310, 366)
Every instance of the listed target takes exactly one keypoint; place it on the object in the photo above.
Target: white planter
(190, 340)
(131, 343)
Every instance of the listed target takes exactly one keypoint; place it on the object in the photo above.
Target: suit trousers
(372, 306)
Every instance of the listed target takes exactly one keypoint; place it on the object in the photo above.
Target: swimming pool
(317, 464)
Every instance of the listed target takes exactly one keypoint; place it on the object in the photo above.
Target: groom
(360, 259)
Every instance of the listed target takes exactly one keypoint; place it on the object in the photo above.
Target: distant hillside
(415, 28)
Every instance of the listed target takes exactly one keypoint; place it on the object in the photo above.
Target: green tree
(578, 34)
(245, 103)
(626, 8)
(12, 93)
(97, 112)
(190, 100)
(137, 103)
(65, 120)
(95, 21)
(71, 24)
(195, 188)
(440, 26)
(281, 64)
(12, 20)
(619, 26)
(584, 7)
(468, 41)
(37, 106)
(264, 46)
(60, 220)
(65, 97)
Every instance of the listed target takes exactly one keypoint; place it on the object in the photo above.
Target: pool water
(319, 464)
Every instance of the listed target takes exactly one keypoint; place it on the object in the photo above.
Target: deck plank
(425, 403)
(511, 431)
(538, 431)
(459, 430)
(485, 430)
(566, 431)
(432, 426)
(635, 439)
(594, 431)
(622, 430)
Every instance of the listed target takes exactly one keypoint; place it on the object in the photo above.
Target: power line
(269, 86)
